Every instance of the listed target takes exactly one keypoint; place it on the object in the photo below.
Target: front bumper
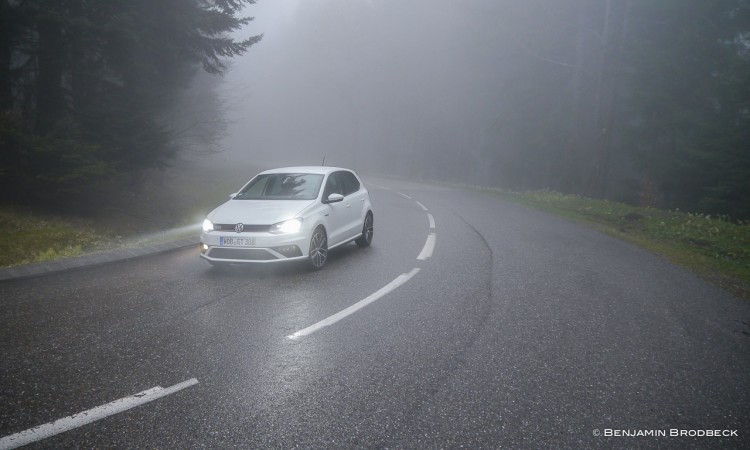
(268, 248)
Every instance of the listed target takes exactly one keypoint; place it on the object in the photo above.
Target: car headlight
(287, 226)
(208, 226)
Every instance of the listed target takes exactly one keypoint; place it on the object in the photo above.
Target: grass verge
(715, 248)
(163, 206)
(27, 237)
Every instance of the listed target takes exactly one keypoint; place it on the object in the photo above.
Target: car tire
(367, 231)
(318, 253)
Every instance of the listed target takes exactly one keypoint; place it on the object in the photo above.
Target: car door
(338, 213)
(354, 199)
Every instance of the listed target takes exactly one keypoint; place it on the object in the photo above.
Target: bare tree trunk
(50, 101)
(606, 96)
(577, 124)
(6, 97)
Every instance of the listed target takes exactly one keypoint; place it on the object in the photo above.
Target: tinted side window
(333, 186)
(351, 184)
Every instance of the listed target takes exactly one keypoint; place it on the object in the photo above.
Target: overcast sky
(375, 85)
(357, 80)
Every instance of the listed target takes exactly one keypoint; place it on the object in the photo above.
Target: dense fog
(377, 86)
(632, 100)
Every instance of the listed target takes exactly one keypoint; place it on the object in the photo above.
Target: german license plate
(237, 241)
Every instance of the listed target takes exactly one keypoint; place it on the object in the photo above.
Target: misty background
(638, 101)
(641, 101)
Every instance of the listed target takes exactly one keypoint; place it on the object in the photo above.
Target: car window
(333, 185)
(351, 184)
(282, 186)
(256, 188)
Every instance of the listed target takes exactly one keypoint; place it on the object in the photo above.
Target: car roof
(322, 170)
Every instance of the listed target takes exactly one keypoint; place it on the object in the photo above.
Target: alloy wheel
(318, 248)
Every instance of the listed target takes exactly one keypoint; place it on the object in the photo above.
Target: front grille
(244, 254)
(248, 228)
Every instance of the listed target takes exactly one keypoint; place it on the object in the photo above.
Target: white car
(292, 213)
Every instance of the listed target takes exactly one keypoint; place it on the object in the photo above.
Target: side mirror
(334, 198)
(231, 196)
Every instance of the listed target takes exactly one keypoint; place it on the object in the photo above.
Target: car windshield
(282, 186)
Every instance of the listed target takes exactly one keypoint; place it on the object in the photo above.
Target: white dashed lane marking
(429, 247)
(92, 415)
(427, 250)
(401, 279)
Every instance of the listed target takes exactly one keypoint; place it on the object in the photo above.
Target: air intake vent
(243, 254)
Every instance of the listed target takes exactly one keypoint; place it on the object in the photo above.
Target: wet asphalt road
(521, 331)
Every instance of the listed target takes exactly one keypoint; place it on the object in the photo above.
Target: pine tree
(688, 102)
(84, 84)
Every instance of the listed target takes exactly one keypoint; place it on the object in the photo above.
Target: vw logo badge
(239, 227)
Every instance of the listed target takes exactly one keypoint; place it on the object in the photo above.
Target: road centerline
(398, 281)
(429, 247)
(91, 415)
(426, 252)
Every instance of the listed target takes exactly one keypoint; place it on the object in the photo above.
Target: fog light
(205, 247)
(289, 251)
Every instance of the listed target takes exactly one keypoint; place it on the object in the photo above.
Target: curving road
(520, 330)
